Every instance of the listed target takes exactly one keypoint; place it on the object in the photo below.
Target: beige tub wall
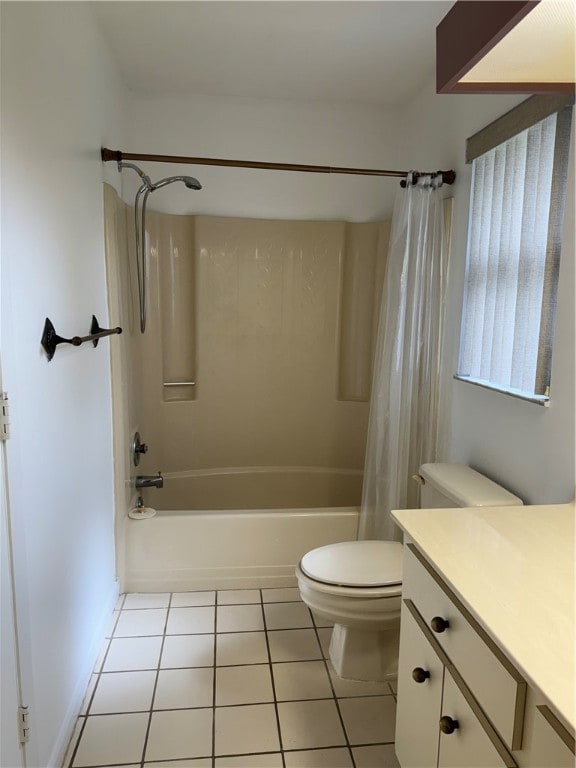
(124, 355)
(267, 346)
(362, 282)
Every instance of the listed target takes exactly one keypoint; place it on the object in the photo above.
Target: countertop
(513, 567)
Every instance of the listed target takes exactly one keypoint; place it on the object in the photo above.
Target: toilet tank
(456, 485)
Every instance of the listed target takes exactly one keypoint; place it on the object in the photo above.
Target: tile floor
(227, 679)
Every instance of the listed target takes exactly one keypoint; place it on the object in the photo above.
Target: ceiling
(379, 53)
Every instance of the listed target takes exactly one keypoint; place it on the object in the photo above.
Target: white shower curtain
(403, 426)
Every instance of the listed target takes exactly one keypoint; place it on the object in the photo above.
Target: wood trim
(468, 31)
(540, 88)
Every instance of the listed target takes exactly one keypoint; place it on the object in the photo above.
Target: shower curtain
(403, 425)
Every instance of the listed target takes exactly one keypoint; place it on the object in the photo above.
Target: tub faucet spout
(150, 481)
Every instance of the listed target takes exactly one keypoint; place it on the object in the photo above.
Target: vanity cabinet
(420, 685)
(461, 702)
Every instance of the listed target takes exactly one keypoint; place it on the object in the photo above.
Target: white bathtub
(191, 548)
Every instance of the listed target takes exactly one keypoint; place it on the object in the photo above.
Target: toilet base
(358, 654)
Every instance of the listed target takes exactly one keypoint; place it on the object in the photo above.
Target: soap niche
(177, 306)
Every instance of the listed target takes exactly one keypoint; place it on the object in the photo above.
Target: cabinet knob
(439, 624)
(448, 725)
(420, 675)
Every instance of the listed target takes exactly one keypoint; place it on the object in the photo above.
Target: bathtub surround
(263, 345)
(123, 310)
(250, 384)
(253, 488)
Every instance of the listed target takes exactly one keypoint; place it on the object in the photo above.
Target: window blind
(515, 223)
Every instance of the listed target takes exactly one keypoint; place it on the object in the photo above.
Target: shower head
(140, 225)
(189, 181)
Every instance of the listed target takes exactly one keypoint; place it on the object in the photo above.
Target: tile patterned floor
(227, 679)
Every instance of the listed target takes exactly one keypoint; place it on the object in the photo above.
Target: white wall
(271, 131)
(60, 103)
(528, 448)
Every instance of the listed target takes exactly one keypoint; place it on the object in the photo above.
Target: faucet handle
(138, 448)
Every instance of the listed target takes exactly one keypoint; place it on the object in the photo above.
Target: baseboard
(69, 722)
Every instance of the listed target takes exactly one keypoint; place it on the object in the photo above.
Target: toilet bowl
(357, 585)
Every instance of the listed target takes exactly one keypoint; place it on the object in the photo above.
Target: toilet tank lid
(355, 564)
(466, 487)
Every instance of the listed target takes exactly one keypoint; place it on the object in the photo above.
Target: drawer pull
(448, 725)
(420, 675)
(439, 624)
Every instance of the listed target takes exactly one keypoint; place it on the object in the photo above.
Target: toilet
(357, 585)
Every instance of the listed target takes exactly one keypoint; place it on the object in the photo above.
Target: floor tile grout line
(231, 706)
(227, 632)
(73, 757)
(149, 725)
(334, 695)
(91, 701)
(277, 713)
(177, 760)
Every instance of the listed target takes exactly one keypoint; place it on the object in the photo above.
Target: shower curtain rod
(108, 155)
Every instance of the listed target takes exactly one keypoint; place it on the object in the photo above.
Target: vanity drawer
(494, 681)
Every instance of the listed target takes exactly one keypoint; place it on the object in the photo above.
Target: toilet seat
(355, 568)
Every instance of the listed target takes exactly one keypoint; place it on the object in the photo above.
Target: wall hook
(50, 339)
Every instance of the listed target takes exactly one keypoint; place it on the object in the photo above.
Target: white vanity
(486, 673)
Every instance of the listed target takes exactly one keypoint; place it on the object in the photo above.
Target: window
(519, 172)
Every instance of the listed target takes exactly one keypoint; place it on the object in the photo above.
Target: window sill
(526, 396)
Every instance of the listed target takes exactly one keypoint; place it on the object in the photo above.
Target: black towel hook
(50, 338)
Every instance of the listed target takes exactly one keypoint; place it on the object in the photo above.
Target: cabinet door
(546, 741)
(418, 709)
(468, 746)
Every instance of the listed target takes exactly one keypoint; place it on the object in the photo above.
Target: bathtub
(238, 528)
